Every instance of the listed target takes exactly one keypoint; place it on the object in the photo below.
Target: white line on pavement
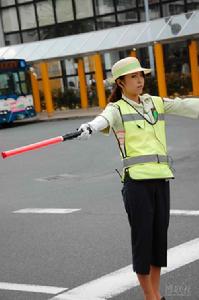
(124, 279)
(46, 210)
(31, 288)
(71, 210)
(178, 212)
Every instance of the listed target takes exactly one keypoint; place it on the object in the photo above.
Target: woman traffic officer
(138, 124)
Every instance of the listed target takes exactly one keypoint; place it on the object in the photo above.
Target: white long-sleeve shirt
(110, 116)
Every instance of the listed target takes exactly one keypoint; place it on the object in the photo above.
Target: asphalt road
(68, 250)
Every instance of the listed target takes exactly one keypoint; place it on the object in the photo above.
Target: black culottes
(147, 204)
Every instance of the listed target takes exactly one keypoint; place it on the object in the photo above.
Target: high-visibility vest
(143, 146)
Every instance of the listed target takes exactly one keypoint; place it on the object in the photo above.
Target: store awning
(168, 29)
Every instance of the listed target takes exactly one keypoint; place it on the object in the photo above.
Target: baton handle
(71, 135)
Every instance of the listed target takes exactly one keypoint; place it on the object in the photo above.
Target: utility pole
(150, 48)
(2, 42)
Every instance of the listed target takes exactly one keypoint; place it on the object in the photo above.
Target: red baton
(55, 140)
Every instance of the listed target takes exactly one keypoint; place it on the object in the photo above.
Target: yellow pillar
(133, 53)
(99, 80)
(46, 88)
(159, 59)
(193, 56)
(35, 92)
(82, 82)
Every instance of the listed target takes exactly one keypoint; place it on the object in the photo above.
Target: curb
(50, 119)
(39, 119)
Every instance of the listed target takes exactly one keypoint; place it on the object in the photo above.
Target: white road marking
(31, 288)
(71, 210)
(178, 212)
(46, 210)
(124, 279)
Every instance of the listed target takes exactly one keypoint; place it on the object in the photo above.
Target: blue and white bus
(16, 100)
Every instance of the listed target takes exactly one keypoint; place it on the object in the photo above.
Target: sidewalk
(64, 115)
(69, 114)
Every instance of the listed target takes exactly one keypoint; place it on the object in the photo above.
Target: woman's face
(133, 84)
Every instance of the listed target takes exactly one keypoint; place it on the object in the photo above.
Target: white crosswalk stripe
(115, 283)
(46, 210)
(180, 212)
(31, 288)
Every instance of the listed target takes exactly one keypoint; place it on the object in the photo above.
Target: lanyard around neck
(154, 112)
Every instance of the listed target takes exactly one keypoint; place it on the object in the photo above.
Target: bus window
(23, 82)
(16, 84)
(3, 84)
(22, 75)
(24, 88)
(9, 84)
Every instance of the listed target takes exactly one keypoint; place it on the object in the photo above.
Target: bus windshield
(16, 99)
(13, 84)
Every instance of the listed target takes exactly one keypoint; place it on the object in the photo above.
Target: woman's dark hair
(116, 93)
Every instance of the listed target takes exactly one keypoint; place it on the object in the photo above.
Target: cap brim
(146, 71)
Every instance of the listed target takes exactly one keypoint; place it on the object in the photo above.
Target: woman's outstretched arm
(185, 107)
(103, 122)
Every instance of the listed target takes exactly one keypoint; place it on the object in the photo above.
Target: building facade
(30, 20)
(25, 21)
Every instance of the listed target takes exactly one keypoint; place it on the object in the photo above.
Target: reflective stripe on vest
(137, 117)
(127, 162)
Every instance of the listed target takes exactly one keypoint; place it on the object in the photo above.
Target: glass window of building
(84, 10)
(9, 18)
(27, 16)
(24, 1)
(177, 68)
(71, 66)
(154, 10)
(142, 17)
(170, 1)
(7, 2)
(65, 29)
(30, 36)
(114, 57)
(127, 17)
(86, 60)
(57, 90)
(85, 26)
(64, 10)
(125, 4)
(107, 61)
(12, 39)
(57, 87)
(165, 9)
(45, 12)
(48, 32)
(72, 95)
(106, 22)
(192, 5)
(54, 68)
(173, 7)
(176, 7)
(104, 6)
(72, 82)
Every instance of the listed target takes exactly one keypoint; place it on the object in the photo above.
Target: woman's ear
(120, 83)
